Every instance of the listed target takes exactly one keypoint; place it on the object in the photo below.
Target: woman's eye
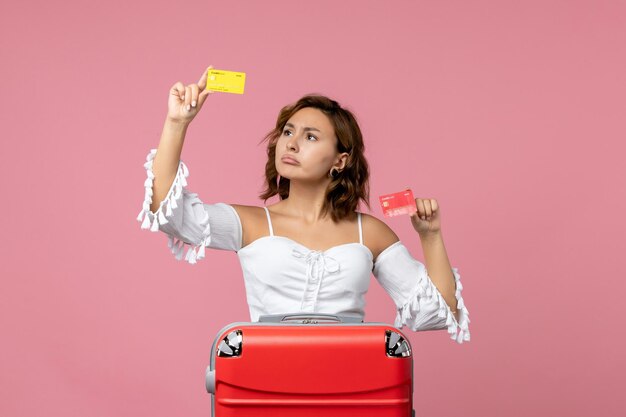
(286, 131)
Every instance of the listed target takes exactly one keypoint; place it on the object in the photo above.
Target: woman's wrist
(176, 123)
(430, 236)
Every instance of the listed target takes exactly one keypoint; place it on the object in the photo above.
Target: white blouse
(284, 276)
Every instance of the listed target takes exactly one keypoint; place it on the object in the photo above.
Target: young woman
(312, 251)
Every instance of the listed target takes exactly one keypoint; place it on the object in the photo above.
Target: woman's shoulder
(377, 235)
(248, 214)
(241, 208)
(253, 223)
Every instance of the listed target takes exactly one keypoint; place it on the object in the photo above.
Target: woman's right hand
(185, 102)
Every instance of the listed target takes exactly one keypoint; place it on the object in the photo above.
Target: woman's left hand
(426, 220)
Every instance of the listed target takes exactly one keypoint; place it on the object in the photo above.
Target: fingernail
(188, 107)
(193, 103)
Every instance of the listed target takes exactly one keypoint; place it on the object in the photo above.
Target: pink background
(510, 114)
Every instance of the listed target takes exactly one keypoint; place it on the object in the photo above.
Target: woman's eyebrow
(306, 128)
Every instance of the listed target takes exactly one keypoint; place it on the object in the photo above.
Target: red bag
(310, 364)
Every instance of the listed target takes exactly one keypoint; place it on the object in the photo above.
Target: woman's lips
(289, 160)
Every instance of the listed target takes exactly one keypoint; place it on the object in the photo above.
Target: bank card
(225, 81)
(398, 203)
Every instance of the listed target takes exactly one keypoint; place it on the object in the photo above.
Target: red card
(397, 204)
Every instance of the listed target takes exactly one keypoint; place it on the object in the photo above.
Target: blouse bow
(319, 263)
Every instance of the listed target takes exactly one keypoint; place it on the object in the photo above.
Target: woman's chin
(291, 176)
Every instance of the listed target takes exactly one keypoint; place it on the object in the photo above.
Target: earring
(334, 174)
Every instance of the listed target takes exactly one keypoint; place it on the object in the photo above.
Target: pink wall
(511, 114)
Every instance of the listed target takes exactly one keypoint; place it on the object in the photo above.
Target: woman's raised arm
(184, 102)
(168, 205)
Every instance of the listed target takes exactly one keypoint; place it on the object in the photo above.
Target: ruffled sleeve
(419, 303)
(187, 220)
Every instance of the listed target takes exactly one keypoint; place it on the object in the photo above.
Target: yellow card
(225, 81)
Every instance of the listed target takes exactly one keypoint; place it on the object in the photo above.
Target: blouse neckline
(368, 251)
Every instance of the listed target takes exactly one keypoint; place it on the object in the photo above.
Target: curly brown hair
(351, 185)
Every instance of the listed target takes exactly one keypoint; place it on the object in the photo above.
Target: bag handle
(308, 318)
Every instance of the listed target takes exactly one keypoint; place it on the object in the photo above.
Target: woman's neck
(305, 201)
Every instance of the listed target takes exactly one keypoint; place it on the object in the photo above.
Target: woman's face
(307, 147)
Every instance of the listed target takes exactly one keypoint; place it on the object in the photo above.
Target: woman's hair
(352, 183)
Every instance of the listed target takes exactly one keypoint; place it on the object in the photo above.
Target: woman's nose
(292, 143)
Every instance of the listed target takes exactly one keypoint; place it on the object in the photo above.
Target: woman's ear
(342, 160)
